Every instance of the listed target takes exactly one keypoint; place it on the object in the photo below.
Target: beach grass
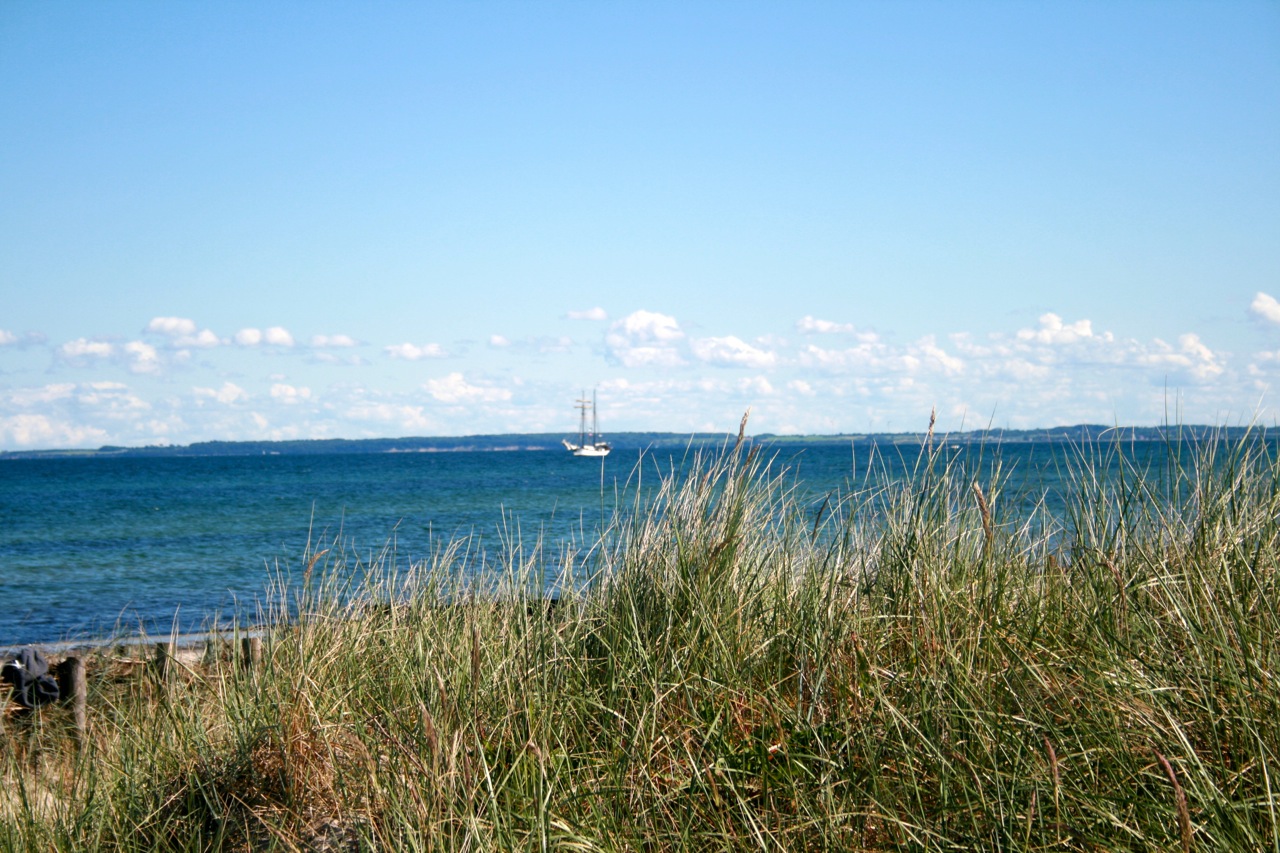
(931, 663)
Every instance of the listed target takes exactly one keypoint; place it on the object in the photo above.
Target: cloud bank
(652, 370)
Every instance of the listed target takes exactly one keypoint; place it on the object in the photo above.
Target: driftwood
(73, 684)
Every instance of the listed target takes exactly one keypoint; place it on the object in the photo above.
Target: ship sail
(589, 442)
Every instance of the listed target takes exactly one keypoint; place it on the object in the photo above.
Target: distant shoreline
(627, 441)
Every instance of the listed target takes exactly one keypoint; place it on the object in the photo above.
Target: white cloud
(964, 343)
(83, 348)
(732, 351)
(204, 339)
(325, 341)
(1053, 331)
(544, 344)
(325, 357)
(454, 389)
(413, 352)
(596, 313)
(142, 357)
(174, 327)
(811, 325)
(930, 353)
(801, 387)
(1264, 361)
(649, 326)
(1265, 307)
(111, 396)
(29, 430)
(288, 394)
(137, 356)
(276, 336)
(872, 357)
(182, 332)
(41, 396)
(1191, 357)
(228, 394)
(756, 385)
(400, 417)
(865, 355)
(7, 337)
(645, 356)
(1195, 349)
(1074, 360)
(1021, 370)
(645, 339)
(158, 428)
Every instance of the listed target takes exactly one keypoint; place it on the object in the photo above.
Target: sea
(101, 547)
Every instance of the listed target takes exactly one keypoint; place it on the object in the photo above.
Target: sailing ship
(589, 443)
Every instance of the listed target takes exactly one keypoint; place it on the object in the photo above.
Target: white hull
(589, 450)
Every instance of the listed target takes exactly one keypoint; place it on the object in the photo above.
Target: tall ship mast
(589, 442)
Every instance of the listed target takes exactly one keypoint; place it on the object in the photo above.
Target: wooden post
(73, 687)
(251, 652)
(164, 660)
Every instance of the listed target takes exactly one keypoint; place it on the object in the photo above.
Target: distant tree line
(635, 441)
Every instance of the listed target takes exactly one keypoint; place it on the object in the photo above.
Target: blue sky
(310, 220)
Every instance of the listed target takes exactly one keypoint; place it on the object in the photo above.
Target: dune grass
(909, 666)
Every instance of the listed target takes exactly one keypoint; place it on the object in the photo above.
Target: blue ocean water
(97, 547)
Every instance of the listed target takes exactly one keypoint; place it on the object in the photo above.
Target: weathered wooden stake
(251, 652)
(74, 689)
(165, 659)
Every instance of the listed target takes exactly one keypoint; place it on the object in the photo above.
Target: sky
(281, 220)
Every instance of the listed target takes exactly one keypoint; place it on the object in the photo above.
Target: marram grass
(913, 666)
